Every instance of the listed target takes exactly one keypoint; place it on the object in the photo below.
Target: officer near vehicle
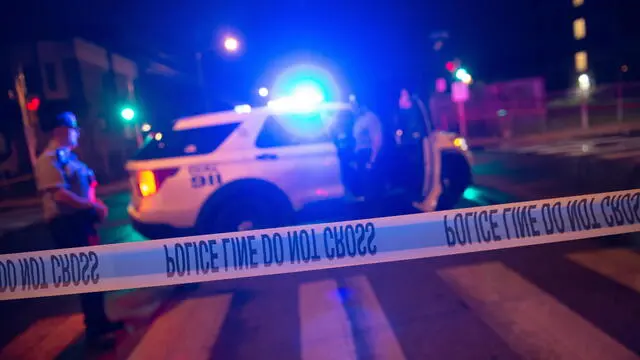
(410, 131)
(409, 121)
(67, 187)
(368, 135)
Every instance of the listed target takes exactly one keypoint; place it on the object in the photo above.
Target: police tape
(315, 247)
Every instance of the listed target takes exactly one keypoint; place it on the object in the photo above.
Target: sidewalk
(603, 130)
(35, 201)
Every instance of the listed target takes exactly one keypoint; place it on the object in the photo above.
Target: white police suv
(256, 167)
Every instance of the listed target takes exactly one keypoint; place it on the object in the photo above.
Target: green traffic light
(127, 114)
(461, 73)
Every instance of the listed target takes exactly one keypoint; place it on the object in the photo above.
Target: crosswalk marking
(187, 331)
(45, 339)
(619, 148)
(325, 330)
(608, 148)
(619, 265)
(622, 155)
(136, 303)
(372, 322)
(568, 146)
(531, 321)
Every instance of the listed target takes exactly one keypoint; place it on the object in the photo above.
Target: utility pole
(131, 94)
(29, 131)
(619, 95)
(201, 81)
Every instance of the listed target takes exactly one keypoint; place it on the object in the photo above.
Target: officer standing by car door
(65, 184)
(368, 135)
(413, 139)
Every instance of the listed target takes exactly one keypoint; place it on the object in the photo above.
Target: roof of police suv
(232, 116)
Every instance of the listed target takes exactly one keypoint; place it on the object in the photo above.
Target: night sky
(496, 39)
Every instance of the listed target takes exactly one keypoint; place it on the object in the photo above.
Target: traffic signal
(127, 113)
(463, 75)
(33, 104)
(451, 67)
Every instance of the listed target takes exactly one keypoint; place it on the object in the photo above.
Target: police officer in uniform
(71, 211)
(368, 135)
(410, 132)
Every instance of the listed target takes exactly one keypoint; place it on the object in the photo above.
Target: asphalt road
(575, 300)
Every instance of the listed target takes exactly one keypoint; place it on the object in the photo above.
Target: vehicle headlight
(461, 143)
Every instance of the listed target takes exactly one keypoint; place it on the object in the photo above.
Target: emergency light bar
(304, 98)
(242, 109)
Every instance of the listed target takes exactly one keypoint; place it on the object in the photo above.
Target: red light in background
(33, 104)
(450, 66)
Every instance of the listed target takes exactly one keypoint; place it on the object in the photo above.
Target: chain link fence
(510, 116)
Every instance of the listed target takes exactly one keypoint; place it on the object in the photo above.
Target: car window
(294, 129)
(185, 142)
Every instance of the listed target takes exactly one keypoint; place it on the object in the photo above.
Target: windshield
(290, 129)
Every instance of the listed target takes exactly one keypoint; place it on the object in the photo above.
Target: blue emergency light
(242, 109)
(304, 97)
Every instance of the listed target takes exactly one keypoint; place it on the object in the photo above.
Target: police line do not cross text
(317, 246)
(246, 252)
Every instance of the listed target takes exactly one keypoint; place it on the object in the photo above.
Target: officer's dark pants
(410, 162)
(74, 231)
(371, 181)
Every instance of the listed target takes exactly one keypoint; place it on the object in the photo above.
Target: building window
(578, 3)
(581, 61)
(50, 76)
(579, 29)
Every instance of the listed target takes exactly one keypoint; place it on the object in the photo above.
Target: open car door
(432, 161)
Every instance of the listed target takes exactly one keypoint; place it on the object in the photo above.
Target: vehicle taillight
(150, 181)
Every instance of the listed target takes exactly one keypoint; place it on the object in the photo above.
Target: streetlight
(584, 85)
(231, 44)
(584, 82)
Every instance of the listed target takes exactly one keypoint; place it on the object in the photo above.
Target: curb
(553, 136)
(581, 174)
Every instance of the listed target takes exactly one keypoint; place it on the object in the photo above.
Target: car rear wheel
(456, 177)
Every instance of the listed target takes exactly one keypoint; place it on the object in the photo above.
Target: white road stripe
(137, 303)
(372, 322)
(531, 321)
(325, 330)
(619, 265)
(188, 331)
(45, 339)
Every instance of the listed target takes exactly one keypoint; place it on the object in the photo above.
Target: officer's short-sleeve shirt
(50, 174)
